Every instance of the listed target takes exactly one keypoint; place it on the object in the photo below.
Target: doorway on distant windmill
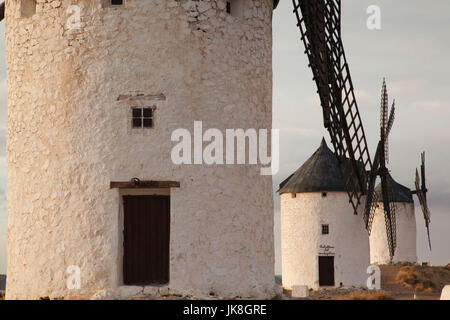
(146, 238)
(326, 271)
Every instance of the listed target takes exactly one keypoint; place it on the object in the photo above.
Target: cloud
(364, 96)
(405, 86)
(434, 105)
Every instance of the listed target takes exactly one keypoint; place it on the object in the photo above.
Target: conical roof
(319, 173)
(400, 193)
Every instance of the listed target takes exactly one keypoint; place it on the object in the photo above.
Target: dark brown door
(146, 240)
(326, 271)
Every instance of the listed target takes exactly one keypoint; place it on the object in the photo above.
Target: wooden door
(326, 271)
(146, 240)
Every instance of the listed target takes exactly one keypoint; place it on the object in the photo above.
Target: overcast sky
(411, 50)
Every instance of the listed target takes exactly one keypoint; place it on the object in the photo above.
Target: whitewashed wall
(406, 235)
(69, 135)
(301, 239)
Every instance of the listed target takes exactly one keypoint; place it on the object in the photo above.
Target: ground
(361, 294)
(398, 282)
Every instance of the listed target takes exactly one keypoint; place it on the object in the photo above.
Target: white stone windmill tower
(93, 105)
(405, 227)
(323, 243)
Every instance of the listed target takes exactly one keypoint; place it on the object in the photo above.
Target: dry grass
(424, 279)
(408, 276)
(405, 263)
(357, 295)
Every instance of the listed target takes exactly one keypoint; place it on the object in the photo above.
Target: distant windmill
(402, 222)
(388, 185)
(379, 169)
(421, 193)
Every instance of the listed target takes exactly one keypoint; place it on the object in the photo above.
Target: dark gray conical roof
(400, 193)
(319, 173)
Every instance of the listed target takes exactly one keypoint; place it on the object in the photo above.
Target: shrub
(407, 276)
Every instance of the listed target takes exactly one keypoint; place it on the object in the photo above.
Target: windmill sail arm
(422, 172)
(391, 120)
(384, 108)
(426, 215)
(389, 214)
(425, 210)
(371, 195)
(319, 22)
(420, 193)
(422, 199)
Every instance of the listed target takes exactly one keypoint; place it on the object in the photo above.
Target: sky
(411, 50)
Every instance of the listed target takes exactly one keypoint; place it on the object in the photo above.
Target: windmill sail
(389, 214)
(379, 169)
(320, 26)
(384, 108)
(386, 122)
(372, 196)
(388, 128)
(391, 119)
(421, 191)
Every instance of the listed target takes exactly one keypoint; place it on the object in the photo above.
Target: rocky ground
(398, 282)
(364, 294)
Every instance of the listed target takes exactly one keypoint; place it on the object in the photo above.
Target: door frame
(334, 270)
(121, 229)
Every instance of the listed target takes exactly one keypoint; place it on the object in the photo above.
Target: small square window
(137, 123)
(137, 113)
(142, 117)
(116, 2)
(148, 112)
(325, 229)
(148, 123)
(324, 194)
